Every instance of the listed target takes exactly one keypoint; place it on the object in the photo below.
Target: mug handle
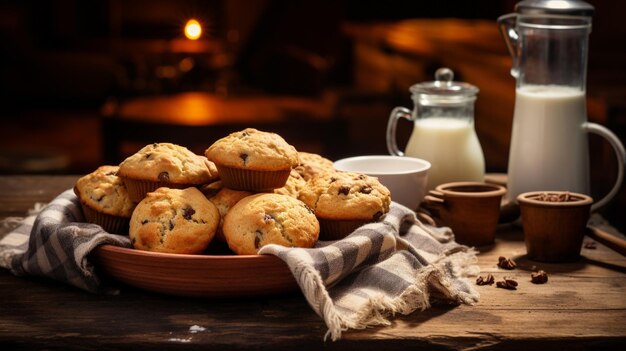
(392, 124)
(435, 199)
(621, 157)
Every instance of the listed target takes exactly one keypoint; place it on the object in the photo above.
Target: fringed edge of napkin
(459, 263)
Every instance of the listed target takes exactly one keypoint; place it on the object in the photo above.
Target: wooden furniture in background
(197, 119)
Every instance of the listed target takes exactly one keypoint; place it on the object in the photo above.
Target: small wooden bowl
(554, 230)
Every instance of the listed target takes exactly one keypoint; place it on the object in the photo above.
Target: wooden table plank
(581, 307)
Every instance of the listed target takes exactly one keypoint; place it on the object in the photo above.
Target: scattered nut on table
(507, 283)
(539, 277)
(488, 280)
(506, 263)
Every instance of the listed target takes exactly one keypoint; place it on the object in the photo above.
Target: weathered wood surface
(583, 306)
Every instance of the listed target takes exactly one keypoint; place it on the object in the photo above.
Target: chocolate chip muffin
(253, 160)
(268, 218)
(294, 184)
(224, 199)
(312, 164)
(169, 220)
(343, 201)
(104, 199)
(164, 164)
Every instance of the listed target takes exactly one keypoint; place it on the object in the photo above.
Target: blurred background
(84, 83)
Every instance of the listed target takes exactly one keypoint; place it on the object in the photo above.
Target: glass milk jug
(443, 130)
(548, 41)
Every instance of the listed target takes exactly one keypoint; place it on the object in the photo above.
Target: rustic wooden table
(583, 306)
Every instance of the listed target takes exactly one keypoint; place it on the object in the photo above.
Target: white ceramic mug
(405, 177)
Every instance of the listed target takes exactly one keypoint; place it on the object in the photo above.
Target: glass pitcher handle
(506, 24)
(392, 124)
(621, 158)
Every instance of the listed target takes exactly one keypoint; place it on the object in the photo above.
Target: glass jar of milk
(443, 130)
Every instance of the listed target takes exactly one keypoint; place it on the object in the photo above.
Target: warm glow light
(193, 29)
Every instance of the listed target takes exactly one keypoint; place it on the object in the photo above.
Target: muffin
(164, 165)
(224, 199)
(294, 184)
(262, 219)
(343, 201)
(253, 160)
(169, 220)
(313, 164)
(104, 199)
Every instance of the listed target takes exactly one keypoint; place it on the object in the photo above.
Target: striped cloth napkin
(397, 265)
(56, 243)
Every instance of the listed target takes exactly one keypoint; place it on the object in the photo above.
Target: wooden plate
(196, 275)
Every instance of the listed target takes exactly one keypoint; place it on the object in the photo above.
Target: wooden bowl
(214, 276)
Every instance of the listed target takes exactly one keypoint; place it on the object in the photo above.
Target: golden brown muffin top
(294, 184)
(174, 220)
(253, 149)
(224, 199)
(346, 196)
(168, 163)
(262, 219)
(103, 191)
(312, 164)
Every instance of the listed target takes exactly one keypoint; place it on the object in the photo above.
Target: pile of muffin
(250, 189)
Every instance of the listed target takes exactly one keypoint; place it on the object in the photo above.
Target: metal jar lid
(445, 86)
(554, 7)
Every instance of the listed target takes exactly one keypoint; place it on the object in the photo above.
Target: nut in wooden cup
(554, 224)
(470, 209)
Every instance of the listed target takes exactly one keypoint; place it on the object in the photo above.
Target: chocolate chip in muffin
(366, 190)
(344, 190)
(243, 157)
(148, 156)
(188, 212)
(164, 177)
(171, 224)
(145, 221)
(258, 236)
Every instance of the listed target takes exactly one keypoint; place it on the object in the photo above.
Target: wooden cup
(470, 209)
(553, 228)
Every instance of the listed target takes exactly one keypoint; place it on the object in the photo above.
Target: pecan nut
(506, 263)
(539, 277)
(488, 280)
(507, 283)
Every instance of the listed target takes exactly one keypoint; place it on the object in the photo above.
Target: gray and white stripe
(56, 243)
(397, 265)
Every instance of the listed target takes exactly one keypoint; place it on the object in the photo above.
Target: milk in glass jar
(443, 130)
